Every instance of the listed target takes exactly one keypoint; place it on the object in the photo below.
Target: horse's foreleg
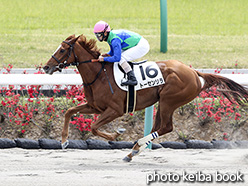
(84, 108)
(107, 116)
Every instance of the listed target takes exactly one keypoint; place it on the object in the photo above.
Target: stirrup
(129, 82)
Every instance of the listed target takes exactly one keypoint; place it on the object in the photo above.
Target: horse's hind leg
(162, 125)
(157, 122)
(84, 108)
(138, 147)
(143, 142)
(141, 145)
(167, 105)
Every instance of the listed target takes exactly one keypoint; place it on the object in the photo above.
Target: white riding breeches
(135, 52)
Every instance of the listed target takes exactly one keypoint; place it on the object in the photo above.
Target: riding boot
(131, 79)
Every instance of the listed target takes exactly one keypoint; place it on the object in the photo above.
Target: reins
(64, 64)
(97, 75)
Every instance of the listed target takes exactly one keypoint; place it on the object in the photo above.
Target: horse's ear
(73, 40)
(70, 37)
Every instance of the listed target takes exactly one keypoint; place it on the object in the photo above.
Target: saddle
(147, 74)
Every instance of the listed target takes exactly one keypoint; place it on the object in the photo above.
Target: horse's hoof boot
(65, 144)
(127, 159)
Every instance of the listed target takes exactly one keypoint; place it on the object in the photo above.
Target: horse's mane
(89, 45)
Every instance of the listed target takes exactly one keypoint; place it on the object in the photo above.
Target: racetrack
(105, 167)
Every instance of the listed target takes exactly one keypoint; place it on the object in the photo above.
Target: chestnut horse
(182, 85)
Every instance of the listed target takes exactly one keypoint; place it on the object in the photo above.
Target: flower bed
(28, 107)
(21, 107)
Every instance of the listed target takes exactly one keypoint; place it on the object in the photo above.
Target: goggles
(99, 36)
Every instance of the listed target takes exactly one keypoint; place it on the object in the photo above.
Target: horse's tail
(229, 88)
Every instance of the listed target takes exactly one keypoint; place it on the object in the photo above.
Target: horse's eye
(62, 51)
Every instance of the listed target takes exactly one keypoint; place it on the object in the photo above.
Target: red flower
(30, 100)
(80, 98)
(18, 122)
(3, 103)
(237, 116)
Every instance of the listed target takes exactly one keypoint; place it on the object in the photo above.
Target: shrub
(20, 105)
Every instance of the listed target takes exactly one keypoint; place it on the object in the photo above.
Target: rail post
(148, 122)
(163, 26)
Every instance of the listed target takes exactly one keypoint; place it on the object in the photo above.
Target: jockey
(124, 46)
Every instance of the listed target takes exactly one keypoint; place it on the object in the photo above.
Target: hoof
(127, 159)
(120, 130)
(65, 144)
(135, 152)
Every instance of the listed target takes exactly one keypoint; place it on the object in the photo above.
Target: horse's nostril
(45, 68)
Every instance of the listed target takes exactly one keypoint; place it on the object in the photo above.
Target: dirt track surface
(20, 167)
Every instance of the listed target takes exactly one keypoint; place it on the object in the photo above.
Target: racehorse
(182, 85)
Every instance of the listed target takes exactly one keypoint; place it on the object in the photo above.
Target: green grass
(203, 33)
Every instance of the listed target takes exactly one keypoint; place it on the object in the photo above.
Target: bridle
(64, 64)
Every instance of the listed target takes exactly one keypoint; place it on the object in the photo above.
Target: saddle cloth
(147, 74)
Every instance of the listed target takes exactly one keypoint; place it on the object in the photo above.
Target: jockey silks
(119, 40)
